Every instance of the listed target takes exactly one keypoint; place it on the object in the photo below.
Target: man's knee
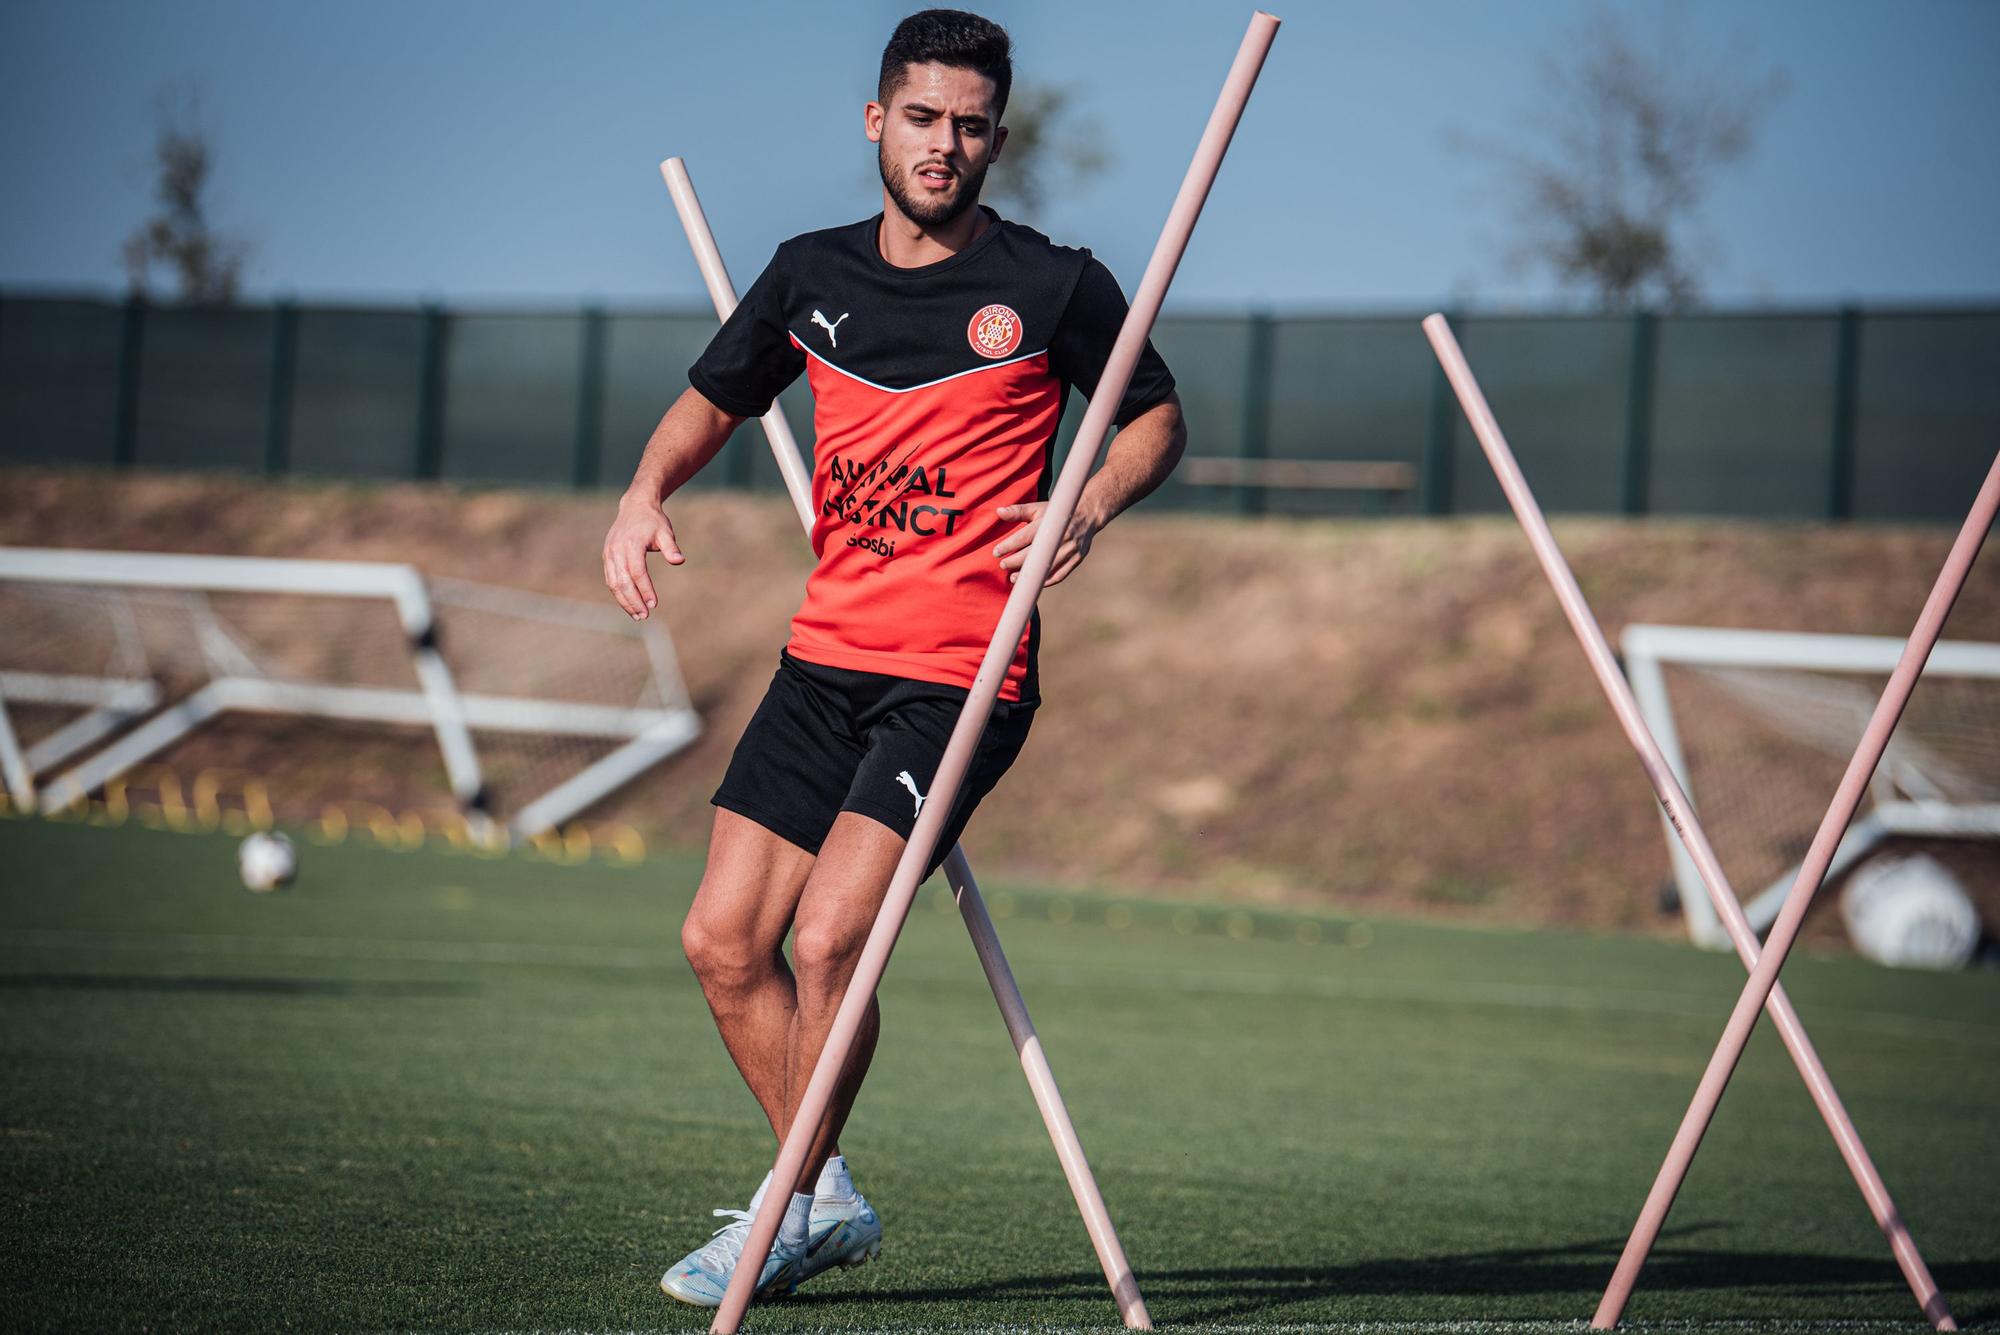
(723, 959)
(824, 955)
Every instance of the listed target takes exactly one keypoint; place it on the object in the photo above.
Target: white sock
(798, 1218)
(834, 1182)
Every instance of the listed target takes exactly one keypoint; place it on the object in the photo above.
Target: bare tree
(1626, 140)
(1051, 150)
(206, 265)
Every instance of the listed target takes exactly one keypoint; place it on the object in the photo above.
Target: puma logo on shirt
(831, 337)
(911, 784)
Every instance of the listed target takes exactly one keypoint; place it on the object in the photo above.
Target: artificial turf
(424, 1091)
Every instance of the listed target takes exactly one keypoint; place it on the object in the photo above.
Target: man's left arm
(1141, 456)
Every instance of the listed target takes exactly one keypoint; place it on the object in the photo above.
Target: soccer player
(940, 342)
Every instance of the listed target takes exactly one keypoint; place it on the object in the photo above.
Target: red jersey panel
(906, 483)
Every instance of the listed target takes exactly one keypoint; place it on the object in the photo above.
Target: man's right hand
(641, 527)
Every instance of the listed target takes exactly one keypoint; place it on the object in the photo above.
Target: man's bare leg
(837, 908)
(734, 937)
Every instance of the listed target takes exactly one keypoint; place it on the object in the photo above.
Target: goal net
(531, 707)
(1760, 726)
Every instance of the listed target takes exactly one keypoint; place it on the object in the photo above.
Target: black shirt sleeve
(1083, 344)
(751, 358)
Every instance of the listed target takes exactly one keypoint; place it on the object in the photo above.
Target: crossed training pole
(957, 870)
(1762, 991)
(1117, 374)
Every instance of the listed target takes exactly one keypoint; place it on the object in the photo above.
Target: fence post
(1636, 475)
(1437, 484)
(1846, 389)
(278, 403)
(1255, 442)
(431, 395)
(589, 399)
(125, 422)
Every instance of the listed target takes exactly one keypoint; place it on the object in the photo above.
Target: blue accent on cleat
(843, 1233)
(702, 1276)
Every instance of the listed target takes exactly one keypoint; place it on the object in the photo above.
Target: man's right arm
(690, 434)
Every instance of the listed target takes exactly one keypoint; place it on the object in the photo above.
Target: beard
(929, 212)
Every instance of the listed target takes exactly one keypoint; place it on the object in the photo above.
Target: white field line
(1524, 996)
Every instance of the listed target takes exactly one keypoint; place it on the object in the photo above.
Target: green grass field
(420, 1091)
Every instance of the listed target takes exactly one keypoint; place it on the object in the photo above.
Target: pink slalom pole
(1048, 1098)
(1674, 800)
(722, 292)
(985, 688)
(957, 870)
(1853, 785)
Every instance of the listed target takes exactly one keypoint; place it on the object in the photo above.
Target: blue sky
(506, 153)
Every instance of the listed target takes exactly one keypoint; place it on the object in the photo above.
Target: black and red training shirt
(936, 396)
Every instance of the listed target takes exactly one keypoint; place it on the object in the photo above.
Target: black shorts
(827, 740)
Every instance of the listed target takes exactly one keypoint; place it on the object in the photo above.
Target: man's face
(937, 135)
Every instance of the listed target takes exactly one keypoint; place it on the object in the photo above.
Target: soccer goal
(538, 706)
(1758, 726)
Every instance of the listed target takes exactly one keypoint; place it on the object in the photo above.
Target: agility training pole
(957, 870)
(1674, 801)
(1853, 785)
(1000, 650)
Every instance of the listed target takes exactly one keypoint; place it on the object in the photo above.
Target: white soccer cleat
(702, 1276)
(843, 1233)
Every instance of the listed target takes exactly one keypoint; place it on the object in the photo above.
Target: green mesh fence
(204, 389)
(1350, 391)
(1210, 359)
(357, 392)
(1559, 388)
(1864, 414)
(645, 362)
(511, 398)
(1743, 416)
(1927, 404)
(59, 373)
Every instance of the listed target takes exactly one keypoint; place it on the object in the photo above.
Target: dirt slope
(1379, 714)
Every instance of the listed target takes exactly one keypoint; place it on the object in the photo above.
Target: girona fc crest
(995, 331)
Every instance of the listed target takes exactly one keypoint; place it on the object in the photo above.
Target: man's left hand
(1013, 549)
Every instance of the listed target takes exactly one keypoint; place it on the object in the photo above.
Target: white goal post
(1757, 725)
(140, 649)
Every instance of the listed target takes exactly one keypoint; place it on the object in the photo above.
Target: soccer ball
(267, 861)
(1910, 912)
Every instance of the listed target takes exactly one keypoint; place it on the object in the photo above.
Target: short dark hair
(949, 37)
